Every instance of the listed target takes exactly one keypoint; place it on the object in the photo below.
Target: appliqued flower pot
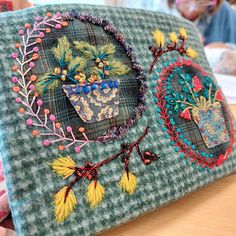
(94, 102)
(211, 124)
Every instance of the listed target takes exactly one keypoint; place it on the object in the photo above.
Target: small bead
(58, 125)
(116, 84)
(14, 68)
(69, 129)
(32, 87)
(46, 142)
(14, 55)
(21, 32)
(17, 45)
(31, 64)
(29, 122)
(27, 25)
(86, 89)
(35, 132)
(77, 149)
(48, 30)
(18, 100)
(110, 84)
(14, 79)
(35, 49)
(38, 40)
(61, 147)
(58, 26)
(52, 118)
(103, 86)
(41, 35)
(46, 111)
(81, 129)
(33, 78)
(21, 110)
(16, 89)
(35, 56)
(64, 23)
(39, 102)
(93, 86)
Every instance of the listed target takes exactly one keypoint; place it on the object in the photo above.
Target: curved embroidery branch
(28, 53)
(65, 166)
(159, 38)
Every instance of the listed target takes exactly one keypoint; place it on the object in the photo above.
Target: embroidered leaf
(64, 202)
(183, 33)
(47, 82)
(128, 182)
(62, 51)
(173, 37)
(106, 50)
(118, 68)
(159, 37)
(64, 166)
(77, 64)
(95, 193)
(191, 53)
(96, 71)
(88, 50)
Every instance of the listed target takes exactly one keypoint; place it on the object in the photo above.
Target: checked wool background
(30, 182)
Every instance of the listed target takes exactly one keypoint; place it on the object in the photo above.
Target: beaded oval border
(28, 53)
(180, 146)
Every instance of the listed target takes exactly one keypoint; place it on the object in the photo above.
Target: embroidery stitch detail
(65, 166)
(159, 38)
(165, 101)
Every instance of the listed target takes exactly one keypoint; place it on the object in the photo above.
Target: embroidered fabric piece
(65, 200)
(95, 102)
(39, 88)
(193, 113)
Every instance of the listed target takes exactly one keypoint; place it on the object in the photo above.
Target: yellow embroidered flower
(191, 53)
(159, 37)
(173, 37)
(64, 166)
(64, 203)
(128, 182)
(95, 193)
(183, 33)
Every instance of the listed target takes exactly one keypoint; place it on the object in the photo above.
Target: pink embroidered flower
(197, 85)
(219, 96)
(185, 114)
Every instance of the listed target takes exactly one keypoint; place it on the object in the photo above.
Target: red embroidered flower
(219, 96)
(185, 114)
(197, 85)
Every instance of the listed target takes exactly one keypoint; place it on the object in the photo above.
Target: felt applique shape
(194, 114)
(65, 200)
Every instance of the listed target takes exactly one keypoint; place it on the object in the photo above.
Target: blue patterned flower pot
(212, 125)
(94, 102)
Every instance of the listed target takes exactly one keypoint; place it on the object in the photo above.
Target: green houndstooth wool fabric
(32, 184)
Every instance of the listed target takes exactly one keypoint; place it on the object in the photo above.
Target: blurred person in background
(215, 19)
